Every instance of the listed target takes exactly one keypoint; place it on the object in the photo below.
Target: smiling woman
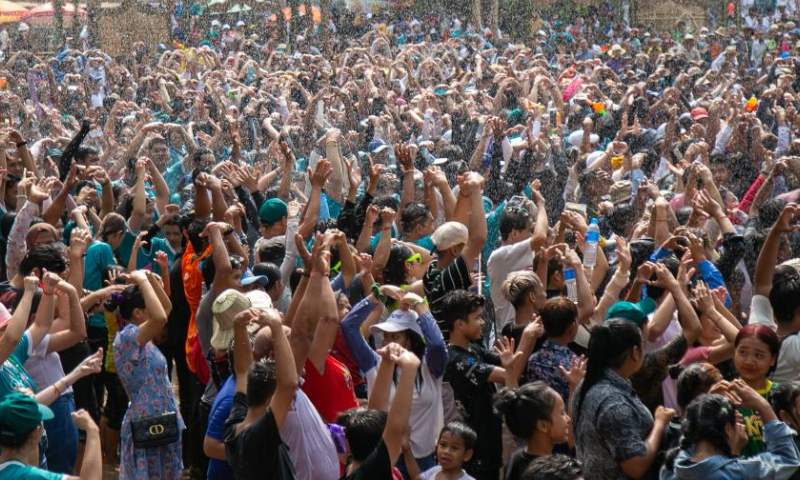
(756, 354)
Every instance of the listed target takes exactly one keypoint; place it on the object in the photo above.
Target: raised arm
(285, 370)
(19, 320)
(477, 219)
(139, 198)
(768, 258)
(157, 316)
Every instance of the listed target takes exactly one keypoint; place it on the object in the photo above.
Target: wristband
(22, 144)
(376, 290)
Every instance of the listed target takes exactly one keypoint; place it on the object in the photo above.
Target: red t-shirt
(341, 352)
(332, 392)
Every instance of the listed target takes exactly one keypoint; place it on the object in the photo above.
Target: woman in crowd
(616, 436)
(755, 356)
(143, 371)
(415, 330)
(713, 439)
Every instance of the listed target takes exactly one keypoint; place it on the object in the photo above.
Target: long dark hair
(124, 303)
(608, 348)
(394, 273)
(705, 420)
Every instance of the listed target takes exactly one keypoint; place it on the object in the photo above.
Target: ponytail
(608, 348)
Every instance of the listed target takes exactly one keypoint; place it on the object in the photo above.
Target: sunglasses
(336, 267)
(416, 258)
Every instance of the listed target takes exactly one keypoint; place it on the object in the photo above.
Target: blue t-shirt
(219, 469)
(12, 374)
(426, 243)
(14, 470)
(98, 256)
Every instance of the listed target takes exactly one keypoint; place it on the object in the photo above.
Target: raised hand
(576, 372)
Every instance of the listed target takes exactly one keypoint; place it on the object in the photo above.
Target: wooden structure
(664, 15)
(131, 22)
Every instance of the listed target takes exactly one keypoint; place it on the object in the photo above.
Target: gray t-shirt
(205, 319)
(612, 425)
(205, 328)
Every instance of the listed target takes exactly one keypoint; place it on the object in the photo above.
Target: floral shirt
(543, 365)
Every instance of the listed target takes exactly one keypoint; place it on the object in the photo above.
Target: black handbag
(155, 431)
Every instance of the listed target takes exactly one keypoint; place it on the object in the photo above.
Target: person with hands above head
(713, 438)
(263, 398)
(458, 246)
(142, 310)
(45, 368)
(327, 381)
(522, 236)
(375, 434)
(776, 298)
(412, 327)
(647, 380)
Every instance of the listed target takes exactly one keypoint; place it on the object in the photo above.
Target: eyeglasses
(416, 258)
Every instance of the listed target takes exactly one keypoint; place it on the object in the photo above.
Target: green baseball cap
(634, 312)
(53, 152)
(272, 211)
(20, 413)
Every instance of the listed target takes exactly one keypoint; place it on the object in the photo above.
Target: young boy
(455, 447)
(472, 372)
(264, 394)
(374, 437)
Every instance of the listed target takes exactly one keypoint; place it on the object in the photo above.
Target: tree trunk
(494, 22)
(476, 12)
(58, 16)
(92, 14)
(323, 26)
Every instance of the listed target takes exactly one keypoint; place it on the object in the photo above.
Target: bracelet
(45, 292)
(22, 144)
(376, 290)
(55, 387)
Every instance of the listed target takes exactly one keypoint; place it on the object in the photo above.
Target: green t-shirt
(147, 255)
(12, 374)
(98, 256)
(13, 470)
(755, 426)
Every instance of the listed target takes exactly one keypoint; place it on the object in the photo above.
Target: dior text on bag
(155, 431)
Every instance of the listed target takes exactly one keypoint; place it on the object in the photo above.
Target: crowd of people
(421, 250)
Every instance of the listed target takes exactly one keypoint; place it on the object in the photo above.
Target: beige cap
(449, 235)
(225, 308)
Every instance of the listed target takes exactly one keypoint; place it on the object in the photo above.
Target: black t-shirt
(438, 281)
(258, 449)
(468, 374)
(517, 464)
(377, 466)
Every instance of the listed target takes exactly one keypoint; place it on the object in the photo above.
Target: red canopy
(46, 10)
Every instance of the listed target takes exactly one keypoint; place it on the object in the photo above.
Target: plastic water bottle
(592, 239)
(572, 285)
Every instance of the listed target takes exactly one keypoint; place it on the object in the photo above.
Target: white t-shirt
(504, 260)
(310, 444)
(430, 474)
(427, 412)
(788, 368)
(45, 368)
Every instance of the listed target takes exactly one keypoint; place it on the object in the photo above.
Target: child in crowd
(713, 440)
(454, 448)
(537, 414)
